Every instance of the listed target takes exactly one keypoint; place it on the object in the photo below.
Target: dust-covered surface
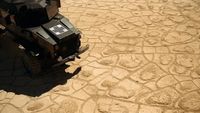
(143, 58)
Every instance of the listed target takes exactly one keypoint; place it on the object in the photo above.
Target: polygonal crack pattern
(143, 58)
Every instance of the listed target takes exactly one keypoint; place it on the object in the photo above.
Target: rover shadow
(14, 77)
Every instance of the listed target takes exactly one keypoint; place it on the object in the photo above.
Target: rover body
(47, 38)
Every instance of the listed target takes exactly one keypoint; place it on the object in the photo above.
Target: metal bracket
(76, 55)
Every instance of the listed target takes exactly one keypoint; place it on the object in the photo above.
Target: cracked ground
(144, 57)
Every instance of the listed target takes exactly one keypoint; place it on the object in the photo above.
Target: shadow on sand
(14, 77)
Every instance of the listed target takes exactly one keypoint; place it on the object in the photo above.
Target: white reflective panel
(58, 29)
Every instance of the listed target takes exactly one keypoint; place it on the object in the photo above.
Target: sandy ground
(144, 57)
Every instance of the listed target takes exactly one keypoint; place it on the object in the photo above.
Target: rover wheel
(31, 64)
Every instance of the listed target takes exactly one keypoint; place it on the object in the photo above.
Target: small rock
(35, 106)
(161, 98)
(108, 83)
(86, 73)
(165, 59)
